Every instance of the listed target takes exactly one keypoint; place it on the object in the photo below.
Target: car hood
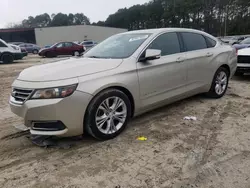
(65, 69)
(244, 52)
(14, 48)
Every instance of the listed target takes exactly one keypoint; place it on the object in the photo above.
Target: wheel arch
(228, 68)
(4, 53)
(126, 91)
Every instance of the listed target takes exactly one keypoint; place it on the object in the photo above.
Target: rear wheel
(76, 53)
(107, 114)
(7, 58)
(219, 84)
(35, 51)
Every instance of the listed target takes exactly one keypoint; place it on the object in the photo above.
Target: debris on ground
(142, 138)
(52, 141)
(193, 118)
(21, 127)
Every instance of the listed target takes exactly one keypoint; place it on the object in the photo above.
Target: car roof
(160, 30)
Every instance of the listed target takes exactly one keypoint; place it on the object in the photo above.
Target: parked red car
(62, 48)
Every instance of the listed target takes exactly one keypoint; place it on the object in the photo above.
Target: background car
(88, 44)
(232, 39)
(243, 44)
(243, 65)
(19, 52)
(62, 48)
(30, 48)
(23, 49)
(9, 52)
(16, 43)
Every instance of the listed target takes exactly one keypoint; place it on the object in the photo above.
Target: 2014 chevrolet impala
(124, 76)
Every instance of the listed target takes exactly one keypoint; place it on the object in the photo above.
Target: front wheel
(107, 114)
(7, 58)
(219, 84)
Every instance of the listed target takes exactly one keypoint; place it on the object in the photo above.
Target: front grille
(243, 59)
(21, 95)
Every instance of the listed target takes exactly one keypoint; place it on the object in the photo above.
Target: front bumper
(243, 68)
(70, 111)
(18, 56)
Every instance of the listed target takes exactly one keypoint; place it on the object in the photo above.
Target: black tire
(7, 58)
(35, 51)
(73, 54)
(90, 120)
(212, 93)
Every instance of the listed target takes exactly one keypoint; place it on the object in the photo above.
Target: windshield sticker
(138, 38)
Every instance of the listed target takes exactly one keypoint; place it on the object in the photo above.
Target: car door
(198, 59)
(29, 47)
(163, 78)
(59, 50)
(69, 48)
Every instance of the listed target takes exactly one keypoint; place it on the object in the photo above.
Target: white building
(50, 35)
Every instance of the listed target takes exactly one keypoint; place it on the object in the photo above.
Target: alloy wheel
(221, 83)
(111, 115)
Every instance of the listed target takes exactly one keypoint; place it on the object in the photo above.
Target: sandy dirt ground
(212, 152)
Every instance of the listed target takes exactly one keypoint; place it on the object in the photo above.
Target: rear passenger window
(210, 42)
(68, 44)
(194, 41)
(168, 43)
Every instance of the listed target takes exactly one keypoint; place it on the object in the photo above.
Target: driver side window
(168, 43)
(60, 45)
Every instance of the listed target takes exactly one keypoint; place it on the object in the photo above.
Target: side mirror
(151, 54)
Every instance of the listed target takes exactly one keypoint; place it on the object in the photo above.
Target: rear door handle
(180, 59)
(209, 54)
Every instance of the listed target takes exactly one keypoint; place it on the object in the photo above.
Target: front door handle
(209, 54)
(180, 59)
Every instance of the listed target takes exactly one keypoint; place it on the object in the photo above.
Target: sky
(14, 11)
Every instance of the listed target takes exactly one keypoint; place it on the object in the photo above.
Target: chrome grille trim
(20, 95)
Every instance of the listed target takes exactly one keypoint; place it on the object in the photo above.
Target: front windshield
(118, 46)
(246, 41)
(54, 45)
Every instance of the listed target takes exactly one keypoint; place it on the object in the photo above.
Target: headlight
(52, 93)
(15, 48)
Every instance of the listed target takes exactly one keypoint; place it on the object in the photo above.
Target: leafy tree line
(60, 19)
(218, 17)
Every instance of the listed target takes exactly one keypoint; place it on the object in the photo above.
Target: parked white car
(126, 75)
(9, 52)
(243, 65)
